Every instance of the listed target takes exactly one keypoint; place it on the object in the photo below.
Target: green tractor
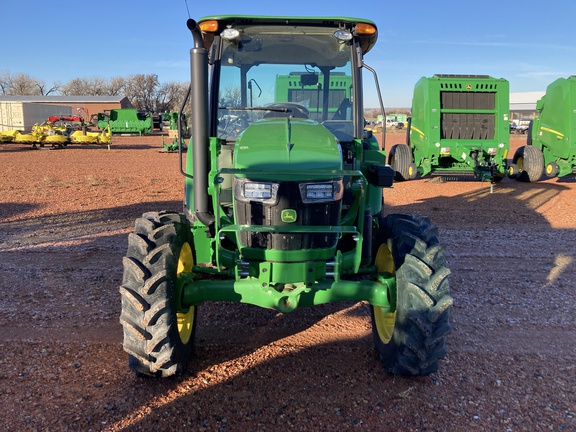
(551, 147)
(283, 201)
(459, 128)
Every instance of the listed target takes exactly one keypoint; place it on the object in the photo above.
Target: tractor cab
(297, 68)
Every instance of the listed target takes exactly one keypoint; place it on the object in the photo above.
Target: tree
(231, 97)
(74, 87)
(169, 96)
(94, 86)
(141, 90)
(116, 86)
(24, 84)
(4, 75)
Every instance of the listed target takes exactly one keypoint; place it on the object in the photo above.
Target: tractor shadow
(11, 209)
(60, 252)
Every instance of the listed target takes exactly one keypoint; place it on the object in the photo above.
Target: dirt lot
(64, 220)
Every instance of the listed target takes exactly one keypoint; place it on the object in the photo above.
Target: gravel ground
(64, 220)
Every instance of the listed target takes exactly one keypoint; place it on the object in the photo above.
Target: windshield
(284, 71)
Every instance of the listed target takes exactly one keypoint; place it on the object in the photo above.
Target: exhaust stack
(200, 125)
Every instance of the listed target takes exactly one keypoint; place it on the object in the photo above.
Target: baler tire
(530, 163)
(552, 169)
(512, 171)
(412, 171)
(400, 158)
(158, 333)
(411, 340)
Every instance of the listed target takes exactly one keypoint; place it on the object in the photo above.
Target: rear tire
(158, 331)
(411, 340)
(530, 163)
(400, 158)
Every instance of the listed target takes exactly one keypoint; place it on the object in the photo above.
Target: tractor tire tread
(423, 303)
(147, 315)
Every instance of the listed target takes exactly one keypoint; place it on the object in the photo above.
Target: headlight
(258, 190)
(247, 190)
(321, 192)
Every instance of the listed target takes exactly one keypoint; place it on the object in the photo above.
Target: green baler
(459, 127)
(551, 140)
(283, 202)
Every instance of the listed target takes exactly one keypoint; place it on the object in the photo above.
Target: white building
(523, 105)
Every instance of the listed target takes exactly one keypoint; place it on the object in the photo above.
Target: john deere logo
(288, 216)
(468, 87)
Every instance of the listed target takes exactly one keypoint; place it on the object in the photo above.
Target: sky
(526, 42)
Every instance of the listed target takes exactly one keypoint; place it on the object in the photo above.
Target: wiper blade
(284, 110)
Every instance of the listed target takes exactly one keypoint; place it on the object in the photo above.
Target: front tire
(411, 340)
(158, 331)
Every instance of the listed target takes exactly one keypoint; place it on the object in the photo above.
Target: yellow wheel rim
(385, 321)
(520, 163)
(185, 320)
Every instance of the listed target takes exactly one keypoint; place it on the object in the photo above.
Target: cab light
(230, 34)
(209, 26)
(365, 29)
(343, 35)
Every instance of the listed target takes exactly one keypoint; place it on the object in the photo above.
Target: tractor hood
(282, 145)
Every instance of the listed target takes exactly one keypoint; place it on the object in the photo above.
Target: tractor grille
(258, 213)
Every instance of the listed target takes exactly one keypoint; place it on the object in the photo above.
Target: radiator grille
(257, 213)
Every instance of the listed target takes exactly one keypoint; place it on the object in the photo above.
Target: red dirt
(64, 220)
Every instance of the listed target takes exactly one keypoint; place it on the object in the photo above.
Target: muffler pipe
(200, 123)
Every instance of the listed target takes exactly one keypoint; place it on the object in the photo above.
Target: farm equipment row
(59, 131)
(460, 127)
(56, 133)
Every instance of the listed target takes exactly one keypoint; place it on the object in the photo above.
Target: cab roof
(367, 41)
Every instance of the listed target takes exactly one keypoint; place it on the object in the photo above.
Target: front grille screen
(465, 125)
(257, 213)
